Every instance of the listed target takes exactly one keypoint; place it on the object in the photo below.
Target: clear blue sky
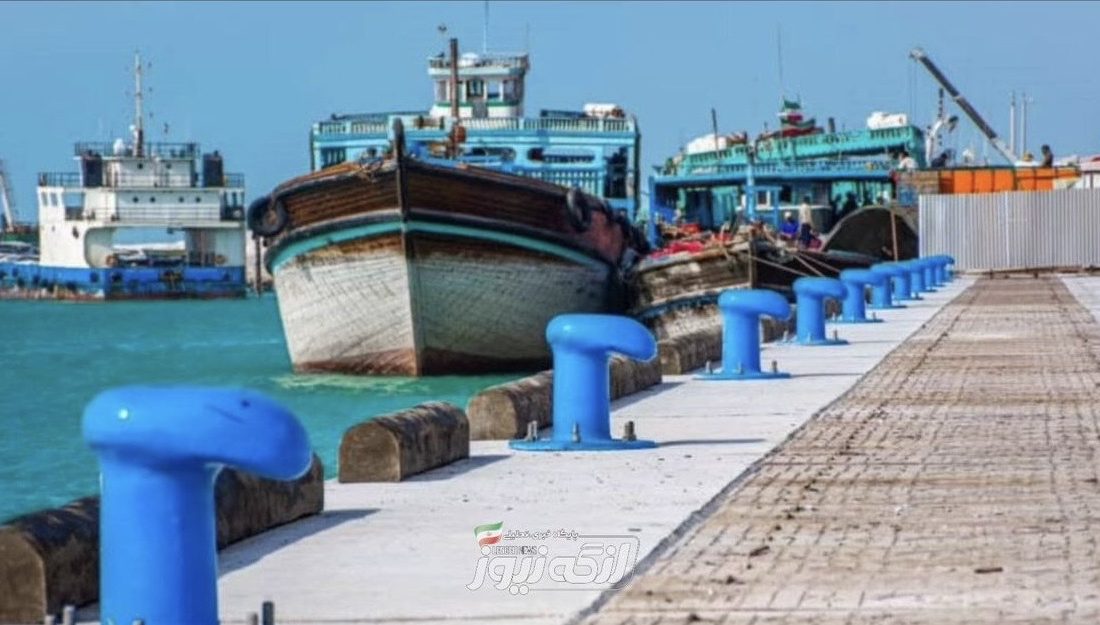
(249, 78)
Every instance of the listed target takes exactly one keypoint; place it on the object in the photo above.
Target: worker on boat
(906, 162)
(806, 223)
(1048, 156)
(788, 230)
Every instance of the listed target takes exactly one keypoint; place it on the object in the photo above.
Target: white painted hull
(444, 306)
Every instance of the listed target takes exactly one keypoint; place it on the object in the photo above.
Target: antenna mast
(139, 126)
(485, 31)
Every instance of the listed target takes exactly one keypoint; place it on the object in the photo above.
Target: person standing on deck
(806, 223)
(1048, 156)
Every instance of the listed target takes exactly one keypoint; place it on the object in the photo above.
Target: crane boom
(919, 55)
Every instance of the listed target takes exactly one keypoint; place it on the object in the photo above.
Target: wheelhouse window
(441, 91)
(475, 88)
(494, 91)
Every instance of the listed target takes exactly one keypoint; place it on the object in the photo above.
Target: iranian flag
(488, 534)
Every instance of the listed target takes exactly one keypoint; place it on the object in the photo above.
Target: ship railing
(548, 124)
(168, 214)
(838, 167)
(844, 141)
(588, 180)
(59, 179)
(162, 149)
(481, 60)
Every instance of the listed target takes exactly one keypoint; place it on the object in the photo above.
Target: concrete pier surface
(406, 552)
(956, 483)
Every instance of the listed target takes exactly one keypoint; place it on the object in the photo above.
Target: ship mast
(454, 78)
(139, 126)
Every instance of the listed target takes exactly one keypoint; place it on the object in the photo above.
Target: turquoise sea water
(57, 356)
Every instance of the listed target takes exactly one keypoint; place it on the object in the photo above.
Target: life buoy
(219, 259)
(578, 210)
(267, 217)
(112, 260)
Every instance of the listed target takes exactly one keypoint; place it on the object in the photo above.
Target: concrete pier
(956, 483)
(405, 552)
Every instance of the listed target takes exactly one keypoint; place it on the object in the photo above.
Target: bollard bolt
(740, 368)
(68, 615)
(532, 431)
(709, 367)
(49, 619)
(576, 432)
(775, 367)
(836, 336)
(267, 608)
(628, 432)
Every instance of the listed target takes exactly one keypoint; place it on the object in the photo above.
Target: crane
(919, 56)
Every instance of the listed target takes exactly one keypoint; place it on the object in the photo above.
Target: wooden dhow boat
(418, 266)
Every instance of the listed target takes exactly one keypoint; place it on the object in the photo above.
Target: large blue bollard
(810, 294)
(160, 450)
(741, 310)
(937, 262)
(916, 276)
(581, 345)
(856, 281)
(882, 294)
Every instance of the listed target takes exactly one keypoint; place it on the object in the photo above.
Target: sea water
(57, 356)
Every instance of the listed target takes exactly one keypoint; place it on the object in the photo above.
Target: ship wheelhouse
(477, 118)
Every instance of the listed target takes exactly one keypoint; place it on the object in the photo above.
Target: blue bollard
(948, 270)
(582, 384)
(881, 294)
(916, 276)
(810, 294)
(943, 275)
(928, 273)
(741, 311)
(160, 450)
(854, 307)
(937, 263)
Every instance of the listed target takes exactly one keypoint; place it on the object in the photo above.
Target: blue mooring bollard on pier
(916, 277)
(810, 294)
(581, 345)
(741, 311)
(160, 450)
(856, 281)
(928, 272)
(882, 294)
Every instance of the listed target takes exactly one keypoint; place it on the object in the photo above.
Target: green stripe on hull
(374, 230)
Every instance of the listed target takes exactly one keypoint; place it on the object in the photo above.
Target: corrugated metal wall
(1019, 230)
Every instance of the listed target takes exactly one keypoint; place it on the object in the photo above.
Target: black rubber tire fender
(267, 217)
(578, 209)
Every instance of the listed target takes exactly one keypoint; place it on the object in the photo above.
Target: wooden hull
(434, 270)
(678, 295)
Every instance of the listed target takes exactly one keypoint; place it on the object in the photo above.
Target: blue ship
(717, 179)
(91, 225)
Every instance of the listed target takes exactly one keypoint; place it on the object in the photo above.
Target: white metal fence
(1017, 230)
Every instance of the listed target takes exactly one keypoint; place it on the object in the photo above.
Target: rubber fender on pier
(160, 450)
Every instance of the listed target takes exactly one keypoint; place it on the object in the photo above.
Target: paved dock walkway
(405, 553)
(956, 483)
